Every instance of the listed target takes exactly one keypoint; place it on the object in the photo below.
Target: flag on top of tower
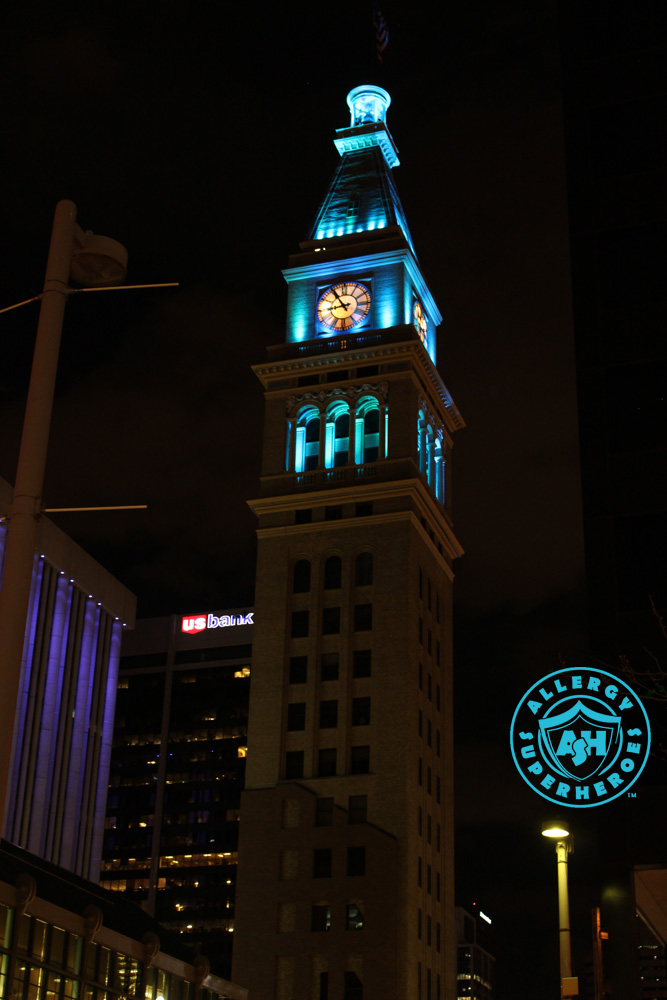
(381, 32)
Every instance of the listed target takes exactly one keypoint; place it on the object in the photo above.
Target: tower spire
(362, 196)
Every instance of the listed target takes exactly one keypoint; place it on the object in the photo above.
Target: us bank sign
(198, 623)
(580, 738)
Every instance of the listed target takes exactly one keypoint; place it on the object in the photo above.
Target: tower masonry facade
(345, 882)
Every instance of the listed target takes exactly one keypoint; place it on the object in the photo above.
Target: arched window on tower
(430, 458)
(332, 573)
(439, 469)
(367, 430)
(421, 441)
(301, 579)
(307, 451)
(337, 435)
(431, 453)
(363, 571)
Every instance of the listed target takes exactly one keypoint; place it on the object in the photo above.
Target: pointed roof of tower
(362, 195)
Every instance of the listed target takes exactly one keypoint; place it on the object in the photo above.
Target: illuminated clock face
(419, 320)
(344, 305)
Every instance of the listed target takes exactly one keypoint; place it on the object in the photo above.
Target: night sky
(200, 136)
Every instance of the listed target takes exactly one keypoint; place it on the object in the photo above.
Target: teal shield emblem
(581, 742)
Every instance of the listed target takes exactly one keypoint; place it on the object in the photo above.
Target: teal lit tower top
(358, 271)
(363, 196)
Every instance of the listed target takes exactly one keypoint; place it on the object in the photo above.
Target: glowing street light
(559, 831)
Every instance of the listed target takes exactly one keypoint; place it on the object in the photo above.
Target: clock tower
(345, 885)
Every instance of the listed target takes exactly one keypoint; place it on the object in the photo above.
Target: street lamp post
(91, 260)
(560, 832)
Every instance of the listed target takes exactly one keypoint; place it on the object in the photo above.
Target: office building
(176, 773)
(475, 963)
(63, 726)
(345, 884)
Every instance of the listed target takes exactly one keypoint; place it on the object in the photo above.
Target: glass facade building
(177, 769)
(63, 723)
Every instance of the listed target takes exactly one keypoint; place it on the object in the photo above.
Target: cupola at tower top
(368, 123)
(368, 104)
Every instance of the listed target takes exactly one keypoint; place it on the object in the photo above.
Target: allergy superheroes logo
(580, 737)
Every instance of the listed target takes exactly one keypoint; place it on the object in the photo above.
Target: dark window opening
(357, 808)
(354, 989)
(333, 513)
(329, 667)
(324, 812)
(330, 621)
(301, 579)
(300, 624)
(361, 711)
(326, 763)
(328, 714)
(364, 569)
(312, 444)
(363, 617)
(361, 663)
(298, 669)
(360, 760)
(337, 376)
(356, 861)
(320, 918)
(322, 862)
(294, 764)
(332, 573)
(296, 716)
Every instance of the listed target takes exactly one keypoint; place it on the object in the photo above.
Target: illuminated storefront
(64, 939)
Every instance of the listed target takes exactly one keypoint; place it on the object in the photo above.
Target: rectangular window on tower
(326, 762)
(298, 669)
(356, 861)
(328, 714)
(330, 621)
(322, 862)
(357, 808)
(361, 711)
(320, 918)
(354, 989)
(360, 760)
(329, 667)
(324, 812)
(293, 764)
(299, 624)
(361, 663)
(363, 617)
(296, 716)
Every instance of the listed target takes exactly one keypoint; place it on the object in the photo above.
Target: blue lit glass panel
(300, 449)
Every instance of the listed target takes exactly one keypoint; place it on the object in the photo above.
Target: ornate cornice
(378, 389)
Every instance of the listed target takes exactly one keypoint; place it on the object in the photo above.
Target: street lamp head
(555, 828)
(97, 261)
